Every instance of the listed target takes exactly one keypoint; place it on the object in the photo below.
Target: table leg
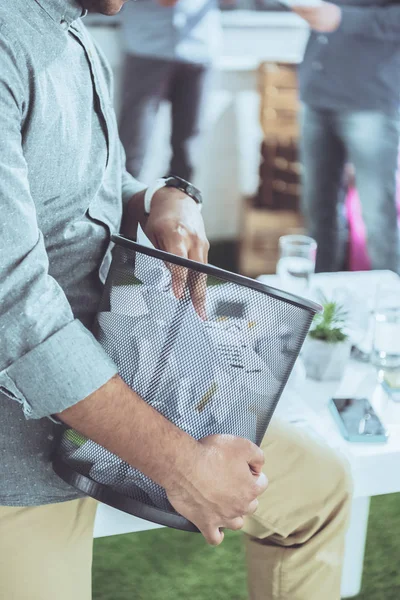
(355, 548)
(110, 521)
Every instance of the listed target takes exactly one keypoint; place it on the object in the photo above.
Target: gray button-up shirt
(356, 67)
(62, 188)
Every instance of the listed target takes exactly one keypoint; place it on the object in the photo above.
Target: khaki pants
(46, 551)
(295, 541)
(294, 546)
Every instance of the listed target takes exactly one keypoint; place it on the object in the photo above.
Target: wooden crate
(261, 230)
(276, 74)
(279, 106)
(280, 170)
(278, 200)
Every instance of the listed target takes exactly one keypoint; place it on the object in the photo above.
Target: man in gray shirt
(350, 89)
(63, 190)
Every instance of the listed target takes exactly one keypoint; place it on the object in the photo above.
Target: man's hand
(325, 17)
(222, 486)
(175, 225)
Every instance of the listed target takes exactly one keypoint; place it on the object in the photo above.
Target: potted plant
(327, 347)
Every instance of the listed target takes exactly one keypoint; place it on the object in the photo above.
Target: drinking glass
(297, 262)
(386, 337)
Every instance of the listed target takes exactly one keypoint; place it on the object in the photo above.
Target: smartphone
(357, 420)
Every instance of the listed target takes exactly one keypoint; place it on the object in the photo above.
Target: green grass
(381, 567)
(172, 565)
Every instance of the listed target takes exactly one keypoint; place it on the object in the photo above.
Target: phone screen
(358, 417)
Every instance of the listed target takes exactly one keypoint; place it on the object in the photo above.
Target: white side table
(375, 467)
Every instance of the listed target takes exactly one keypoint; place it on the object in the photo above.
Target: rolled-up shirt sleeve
(48, 360)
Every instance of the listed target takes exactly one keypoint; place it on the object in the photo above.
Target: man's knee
(310, 488)
(327, 503)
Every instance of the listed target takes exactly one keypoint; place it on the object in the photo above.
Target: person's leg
(295, 540)
(372, 140)
(145, 84)
(46, 551)
(323, 158)
(187, 94)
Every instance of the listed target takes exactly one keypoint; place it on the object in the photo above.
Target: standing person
(63, 190)
(350, 90)
(170, 46)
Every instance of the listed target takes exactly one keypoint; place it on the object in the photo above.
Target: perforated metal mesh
(214, 361)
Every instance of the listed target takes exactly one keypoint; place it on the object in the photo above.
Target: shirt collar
(63, 12)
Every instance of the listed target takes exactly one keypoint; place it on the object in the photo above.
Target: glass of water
(297, 262)
(386, 336)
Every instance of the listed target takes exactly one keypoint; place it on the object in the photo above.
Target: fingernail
(262, 480)
(202, 314)
(178, 290)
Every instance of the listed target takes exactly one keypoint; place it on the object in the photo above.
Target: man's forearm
(118, 419)
(212, 482)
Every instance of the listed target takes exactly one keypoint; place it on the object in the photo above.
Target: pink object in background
(358, 259)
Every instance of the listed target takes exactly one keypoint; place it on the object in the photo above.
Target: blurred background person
(169, 46)
(350, 90)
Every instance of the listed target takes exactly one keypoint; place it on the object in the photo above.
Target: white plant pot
(325, 360)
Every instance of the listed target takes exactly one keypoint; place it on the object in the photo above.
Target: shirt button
(180, 21)
(64, 24)
(317, 66)
(323, 39)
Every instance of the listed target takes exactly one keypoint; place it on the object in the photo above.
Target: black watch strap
(187, 188)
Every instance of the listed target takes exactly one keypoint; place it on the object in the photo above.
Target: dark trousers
(370, 141)
(146, 83)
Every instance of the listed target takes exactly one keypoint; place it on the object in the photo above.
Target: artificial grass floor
(172, 565)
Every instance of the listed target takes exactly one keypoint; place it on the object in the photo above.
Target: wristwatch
(175, 182)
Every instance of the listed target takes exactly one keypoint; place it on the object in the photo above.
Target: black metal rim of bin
(104, 493)
(120, 240)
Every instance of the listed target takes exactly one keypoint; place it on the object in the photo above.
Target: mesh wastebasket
(210, 350)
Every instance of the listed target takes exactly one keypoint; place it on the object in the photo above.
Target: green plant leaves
(329, 326)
